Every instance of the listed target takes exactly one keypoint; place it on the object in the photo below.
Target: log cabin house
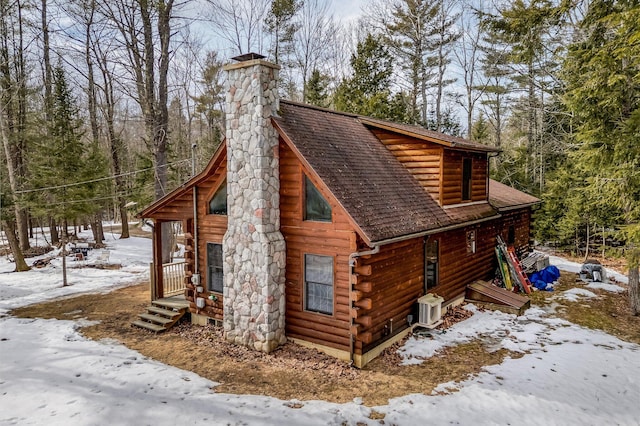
(326, 227)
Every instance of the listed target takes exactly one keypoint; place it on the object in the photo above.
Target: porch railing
(173, 278)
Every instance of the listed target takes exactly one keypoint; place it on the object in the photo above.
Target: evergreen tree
(317, 89)
(602, 74)
(411, 28)
(209, 109)
(280, 24)
(368, 91)
(61, 160)
(528, 30)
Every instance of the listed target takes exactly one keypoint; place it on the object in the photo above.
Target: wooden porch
(168, 303)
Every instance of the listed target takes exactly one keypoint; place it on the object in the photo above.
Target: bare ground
(294, 372)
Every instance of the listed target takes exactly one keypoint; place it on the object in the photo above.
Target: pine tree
(368, 91)
(60, 161)
(317, 89)
(280, 24)
(602, 74)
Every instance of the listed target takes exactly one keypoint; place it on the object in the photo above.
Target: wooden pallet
(160, 316)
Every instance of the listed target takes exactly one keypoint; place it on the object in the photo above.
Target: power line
(26, 191)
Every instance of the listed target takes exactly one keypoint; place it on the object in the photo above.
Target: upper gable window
(316, 206)
(218, 203)
(466, 179)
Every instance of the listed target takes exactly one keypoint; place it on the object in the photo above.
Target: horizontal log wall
(457, 267)
(423, 159)
(395, 280)
(521, 221)
(452, 177)
(336, 239)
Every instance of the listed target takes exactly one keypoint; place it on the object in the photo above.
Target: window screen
(318, 276)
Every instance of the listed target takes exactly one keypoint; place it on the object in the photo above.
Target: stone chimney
(253, 248)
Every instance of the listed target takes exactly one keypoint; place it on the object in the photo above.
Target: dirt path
(292, 372)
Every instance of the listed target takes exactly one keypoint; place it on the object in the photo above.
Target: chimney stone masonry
(253, 247)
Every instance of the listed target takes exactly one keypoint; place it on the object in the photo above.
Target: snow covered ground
(50, 374)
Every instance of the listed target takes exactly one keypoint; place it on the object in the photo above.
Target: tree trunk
(634, 281)
(14, 245)
(53, 230)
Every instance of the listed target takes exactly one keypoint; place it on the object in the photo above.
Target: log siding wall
(423, 159)
(452, 177)
(386, 287)
(336, 239)
(211, 229)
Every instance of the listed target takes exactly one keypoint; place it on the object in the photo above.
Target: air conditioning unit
(429, 311)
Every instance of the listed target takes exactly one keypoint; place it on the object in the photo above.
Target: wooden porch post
(157, 259)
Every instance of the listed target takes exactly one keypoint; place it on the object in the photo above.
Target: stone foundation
(254, 252)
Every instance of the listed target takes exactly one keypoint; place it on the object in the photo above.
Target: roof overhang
(186, 186)
(404, 131)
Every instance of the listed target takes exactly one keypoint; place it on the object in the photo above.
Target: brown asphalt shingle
(372, 186)
(422, 133)
(504, 197)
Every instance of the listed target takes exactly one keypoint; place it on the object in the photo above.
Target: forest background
(108, 105)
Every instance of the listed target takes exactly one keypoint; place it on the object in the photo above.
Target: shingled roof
(428, 135)
(503, 197)
(383, 199)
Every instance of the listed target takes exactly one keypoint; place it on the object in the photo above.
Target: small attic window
(316, 206)
(218, 203)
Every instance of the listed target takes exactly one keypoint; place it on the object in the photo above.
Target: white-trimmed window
(318, 283)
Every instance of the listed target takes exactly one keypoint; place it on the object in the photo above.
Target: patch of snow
(50, 374)
(606, 287)
(40, 284)
(576, 294)
(575, 267)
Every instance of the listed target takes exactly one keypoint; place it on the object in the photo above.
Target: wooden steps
(492, 297)
(161, 315)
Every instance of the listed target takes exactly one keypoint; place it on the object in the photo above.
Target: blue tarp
(543, 280)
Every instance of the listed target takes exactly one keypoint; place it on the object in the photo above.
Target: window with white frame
(318, 283)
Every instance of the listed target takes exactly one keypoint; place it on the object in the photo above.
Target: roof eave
(433, 231)
(187, 185)
(452, 145)
(517, 206)
(306, 164)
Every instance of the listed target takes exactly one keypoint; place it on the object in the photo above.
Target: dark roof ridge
(317, 108)
(456, 142)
